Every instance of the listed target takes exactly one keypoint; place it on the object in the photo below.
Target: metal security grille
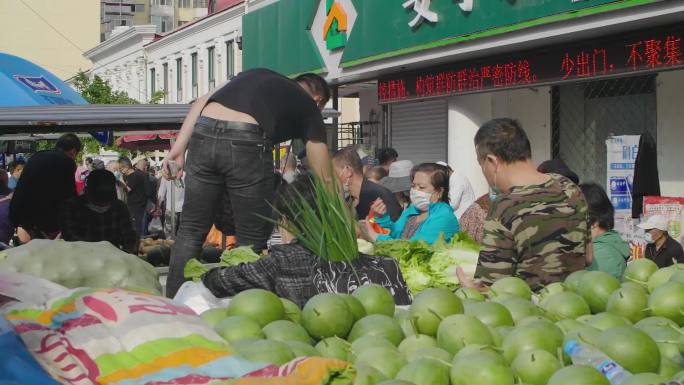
(349, 134)
(355, 133)
(419, 130)
(584, 115)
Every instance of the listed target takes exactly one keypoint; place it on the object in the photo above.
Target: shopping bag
(197, 297)
(155, 226)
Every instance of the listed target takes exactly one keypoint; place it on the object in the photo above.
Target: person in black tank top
(230, 165)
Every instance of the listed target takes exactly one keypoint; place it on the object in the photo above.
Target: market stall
(124, 332)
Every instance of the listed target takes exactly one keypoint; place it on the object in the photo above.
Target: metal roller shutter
(419, 130)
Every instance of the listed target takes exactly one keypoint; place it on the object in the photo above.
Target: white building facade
(195, 59)
(183, 64)
(121, 60)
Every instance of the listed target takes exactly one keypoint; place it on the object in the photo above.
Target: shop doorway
(584, 115)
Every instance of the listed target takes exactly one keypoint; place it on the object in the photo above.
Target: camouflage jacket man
(538, 233)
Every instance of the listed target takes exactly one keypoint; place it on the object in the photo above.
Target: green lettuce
(463, 251)
(465, 242)
(425, 266)
(396, 248)
(194, 270)
(418, 278)
(238, 255)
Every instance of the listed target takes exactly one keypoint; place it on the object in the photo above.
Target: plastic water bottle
(173, 168)
(582, 354)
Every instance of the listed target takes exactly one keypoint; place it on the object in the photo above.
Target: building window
(185, 3)
(166, 82)
(210, 68)
(157, 21)
(204, 4)
(162, 2)
(139, 8)
(179, 80)
(153, 85)
(230, 59)
(163, 24)
(123, 22)
(194, 75)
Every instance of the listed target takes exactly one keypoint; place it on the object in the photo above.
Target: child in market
(295, 272)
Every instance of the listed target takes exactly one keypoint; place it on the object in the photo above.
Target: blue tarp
(23, 83)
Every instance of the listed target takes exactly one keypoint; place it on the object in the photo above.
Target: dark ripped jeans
(225, 161)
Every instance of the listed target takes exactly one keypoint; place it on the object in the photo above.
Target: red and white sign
(670, 207)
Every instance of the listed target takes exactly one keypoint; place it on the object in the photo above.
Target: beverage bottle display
(582, 354)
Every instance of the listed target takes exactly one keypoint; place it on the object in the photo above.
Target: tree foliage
(99, 91)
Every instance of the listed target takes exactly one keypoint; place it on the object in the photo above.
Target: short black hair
(387, 155)
(69, 142)
(14, 164)
(89, 160)
(101, 186)
(125, 161)
(376, 172)
(349, 157)
(316, 84)
(439, 177)
(97, 164)
(303, 187)
(601, 210)
(503, 138)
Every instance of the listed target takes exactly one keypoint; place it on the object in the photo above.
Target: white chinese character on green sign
(422, 10)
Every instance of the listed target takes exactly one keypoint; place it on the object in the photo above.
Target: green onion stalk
(328, 227)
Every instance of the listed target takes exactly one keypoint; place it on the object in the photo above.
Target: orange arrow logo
(336, 13)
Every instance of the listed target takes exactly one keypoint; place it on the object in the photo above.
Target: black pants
(225, 160)
(137, 216)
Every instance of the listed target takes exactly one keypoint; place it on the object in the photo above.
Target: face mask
(420, 199)
(97, 208)
(493, 190)
(289, 176)
(492, 194)
(346, 190)
(117, 174)
(649, 238)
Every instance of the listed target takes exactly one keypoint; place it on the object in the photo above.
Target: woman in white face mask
(429, 213)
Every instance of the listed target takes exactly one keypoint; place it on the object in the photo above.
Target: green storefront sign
(280, 36)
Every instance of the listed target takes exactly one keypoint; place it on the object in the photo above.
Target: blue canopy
(24, 84)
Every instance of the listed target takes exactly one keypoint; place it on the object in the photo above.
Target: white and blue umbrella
(23, 84)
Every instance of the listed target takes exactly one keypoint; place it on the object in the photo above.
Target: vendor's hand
(379, 207)
(370, 232)
(464, 281)
(359, 229)
(180, 162)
